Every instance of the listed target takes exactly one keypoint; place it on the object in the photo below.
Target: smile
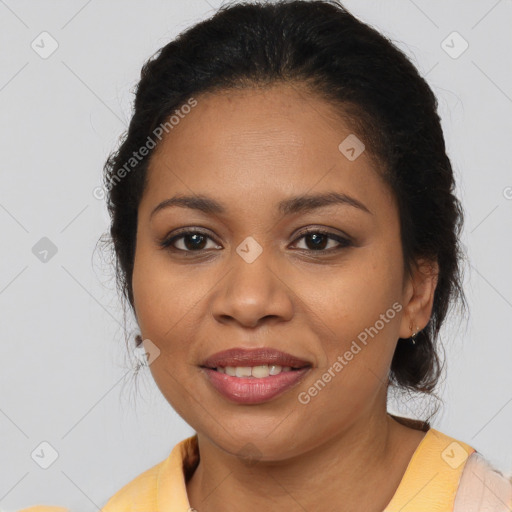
(258, 372)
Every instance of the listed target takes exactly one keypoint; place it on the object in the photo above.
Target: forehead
(262, 121)
(263, 142)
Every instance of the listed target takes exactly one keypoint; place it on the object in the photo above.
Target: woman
(287, 235)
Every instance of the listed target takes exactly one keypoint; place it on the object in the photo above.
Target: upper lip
(253, 357)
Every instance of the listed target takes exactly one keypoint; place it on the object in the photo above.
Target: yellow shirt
(429, 483)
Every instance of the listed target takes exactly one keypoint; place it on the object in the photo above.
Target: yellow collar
(429, 483)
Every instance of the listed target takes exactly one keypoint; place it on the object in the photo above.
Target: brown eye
(197, 241)
(318, 240)
(190, 241)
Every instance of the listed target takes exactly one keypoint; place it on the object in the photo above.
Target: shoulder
(138, 494)
(45, 508)
(483, 487)
(432, 478)
(162, 487)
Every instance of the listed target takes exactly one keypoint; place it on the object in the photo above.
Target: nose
(252, 294)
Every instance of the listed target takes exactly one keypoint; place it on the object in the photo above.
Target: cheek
(168, 302)
(159, 299)
(163, 316)
(354, 297)
(157, 302)
(361, 306)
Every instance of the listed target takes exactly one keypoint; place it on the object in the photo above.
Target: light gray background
(65, 376)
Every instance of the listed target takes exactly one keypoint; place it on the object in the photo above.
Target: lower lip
(251, 390)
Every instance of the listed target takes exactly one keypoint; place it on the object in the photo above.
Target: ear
(418, 297)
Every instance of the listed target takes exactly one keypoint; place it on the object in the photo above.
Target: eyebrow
(298, 204)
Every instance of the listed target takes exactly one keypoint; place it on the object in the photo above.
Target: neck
(360, 467)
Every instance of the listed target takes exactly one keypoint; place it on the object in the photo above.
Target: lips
(229, 373)
(253, 357)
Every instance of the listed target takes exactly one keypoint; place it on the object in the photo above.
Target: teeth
(274, 369)
(243, 371)
(258, 372)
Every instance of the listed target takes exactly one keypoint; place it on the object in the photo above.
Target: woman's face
(255, 278)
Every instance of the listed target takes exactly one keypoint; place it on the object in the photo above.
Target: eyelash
(345, 242)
